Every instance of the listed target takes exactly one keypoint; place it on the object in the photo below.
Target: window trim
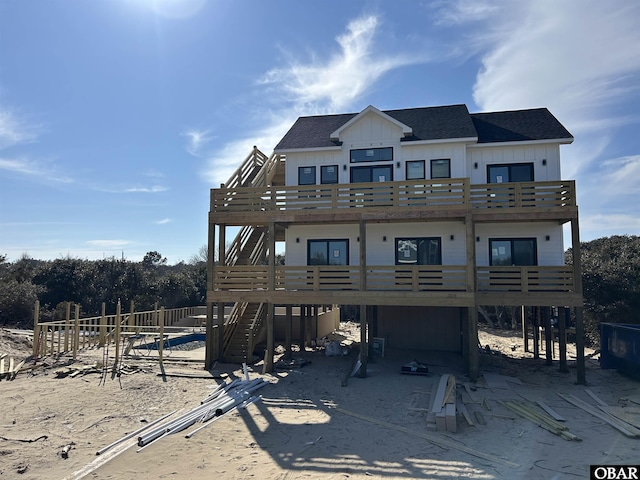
(327, 241)
(406, 169)
(313, 167)
(509, 166)
(440, 160)
(371, 167)
(534, 241)
(417, 239)
(351, 160)
(322, 170)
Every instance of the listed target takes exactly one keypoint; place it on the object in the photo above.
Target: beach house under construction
(415, 216)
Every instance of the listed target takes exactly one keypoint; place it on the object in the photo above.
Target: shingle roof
(518, 126)
(436, 123)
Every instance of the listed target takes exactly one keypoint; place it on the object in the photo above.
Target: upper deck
(395, 201)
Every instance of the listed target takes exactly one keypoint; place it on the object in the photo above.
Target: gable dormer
(371, 125)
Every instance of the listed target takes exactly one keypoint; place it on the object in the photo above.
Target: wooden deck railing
(413, 278)
(525, 279)
(457, 194)
(73, 334)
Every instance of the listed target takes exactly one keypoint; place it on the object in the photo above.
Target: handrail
(441, 194)
(407, 278)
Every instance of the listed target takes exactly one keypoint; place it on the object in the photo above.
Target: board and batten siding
(379, 251)
(311, 158)
(550, 252)
(535, 154)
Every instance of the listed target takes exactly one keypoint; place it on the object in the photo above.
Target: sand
(310, 423)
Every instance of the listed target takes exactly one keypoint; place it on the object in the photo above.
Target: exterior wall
(318, 158)
(550, 252)
(379, 251)
(423, 328)
(456, 152)
(535, 154)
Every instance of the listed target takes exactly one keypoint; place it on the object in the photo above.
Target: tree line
(610, 278)
(89, 283)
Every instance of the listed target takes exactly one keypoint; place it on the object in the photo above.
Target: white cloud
(335, 84)
(109, 243)
(164, 221)
(41, 170)
(463, 11)
(197, 140)
(15, 130)
(152, 189)
(313, 86)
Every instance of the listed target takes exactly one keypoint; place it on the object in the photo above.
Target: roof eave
(560, 141)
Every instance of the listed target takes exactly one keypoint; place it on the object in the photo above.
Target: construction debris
(620, 425)
(443, 407)
(10, 370)
(541, 419)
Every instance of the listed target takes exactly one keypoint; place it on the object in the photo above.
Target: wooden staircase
(246, 320)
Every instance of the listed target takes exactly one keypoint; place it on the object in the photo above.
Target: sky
(118, 116)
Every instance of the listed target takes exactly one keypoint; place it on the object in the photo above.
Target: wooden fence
(75, 333)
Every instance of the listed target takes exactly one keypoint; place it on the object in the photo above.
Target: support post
(288, 331)
(103, 324)
(117, 336)
(210, 345)
(472, 315)
(36, 331)
(577, 282)
(525, 328)
(220, 325)
(67, 327)
(562, 338)
(548, 337)
(132, 322)
(536, 332)
(268, 354)
(161, 341)
(363, 341)
(76, 331)
(302, 328)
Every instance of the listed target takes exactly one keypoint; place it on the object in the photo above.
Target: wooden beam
(562, 338)
(363, 255)
(548, 339)
(577, 273)
(472, 315)
(288, 332)
(363, 341)
(268, 355)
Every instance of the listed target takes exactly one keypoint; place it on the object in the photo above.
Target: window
(418, 251)
(329, 174)
(327, 252)
(306, 175)
(516, 172)
(513, 251)
(380, 173)
(372, 155)
(441, 168)
(415, 170)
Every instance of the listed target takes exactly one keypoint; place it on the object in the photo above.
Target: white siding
(550, 252)
(379, 251)
(483, 156)
(454, 151)
(306, 159)
(371, 130)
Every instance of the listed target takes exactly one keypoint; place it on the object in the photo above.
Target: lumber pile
(543, 420)
(8, 367)
(443, 407)
(602, 413)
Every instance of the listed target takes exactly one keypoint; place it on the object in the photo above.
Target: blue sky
(116, 117)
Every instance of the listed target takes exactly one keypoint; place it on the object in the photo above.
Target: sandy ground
(307, 424)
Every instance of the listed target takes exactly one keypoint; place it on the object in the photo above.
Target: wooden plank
(450, 394)
(438, 399)
(551, 411)
(441, 420)
(480, 418)
(630, 415)
(598, 400)
(623, 427)
(471, 392)
(465, 413)
(450, 417)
